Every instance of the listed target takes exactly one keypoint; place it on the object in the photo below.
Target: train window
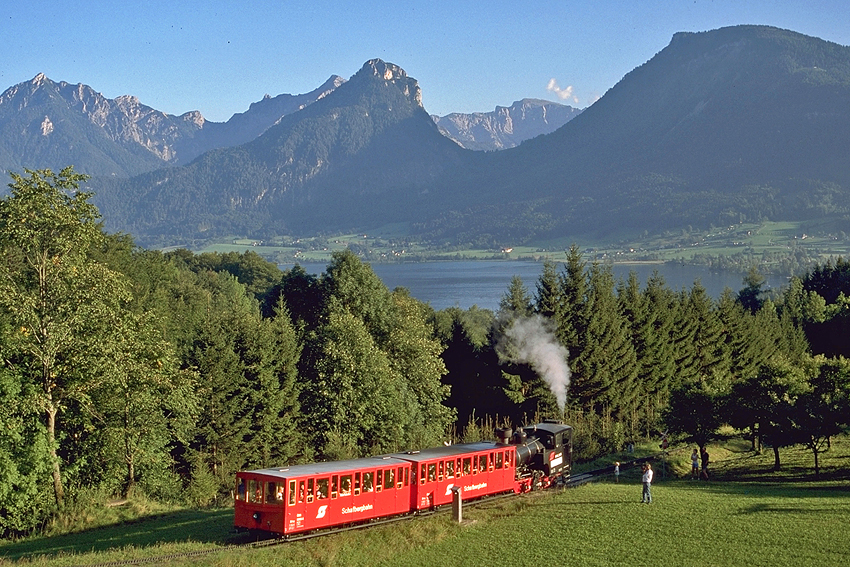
(255, 491)
(474, 465)
(399, 480)
(499, 463)
(291, 492)
(422, 474)
(334, 486)
(440, 466)
(321, 488)
(240, 489)
(301, 492)
(345, 485)
(467, 466)
(407, 475)
(379, 484)
(491, 460)
(457, 467)
(368, 482)
(309, 491)
(388, 478)
(356, 484)
(482, 463)
(432, 472)
(450, 469)
(274, 492)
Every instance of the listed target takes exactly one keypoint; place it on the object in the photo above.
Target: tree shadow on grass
(198, 526)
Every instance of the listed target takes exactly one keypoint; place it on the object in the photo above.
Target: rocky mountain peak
(384, 70)
(392, 74)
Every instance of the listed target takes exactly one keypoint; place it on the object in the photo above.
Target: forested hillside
(127, 372)
(743, 124)
(738, 124)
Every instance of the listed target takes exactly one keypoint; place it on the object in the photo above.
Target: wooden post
(457, 504)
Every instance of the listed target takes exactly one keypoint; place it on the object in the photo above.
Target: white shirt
(647, 475)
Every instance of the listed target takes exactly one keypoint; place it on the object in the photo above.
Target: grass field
(746, 515)
(392, 244)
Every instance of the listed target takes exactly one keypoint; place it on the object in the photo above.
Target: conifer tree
(572, 324)
(744, 341)
(608, 363)
(548, 299)
(659, 371)
(473, 376)
(516, 301)
(711, 356)
(649, 329)
(684, 342)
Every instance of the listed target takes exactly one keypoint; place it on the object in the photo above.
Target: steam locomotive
(303, 498)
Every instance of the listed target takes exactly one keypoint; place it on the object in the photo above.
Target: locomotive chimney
(503, 435)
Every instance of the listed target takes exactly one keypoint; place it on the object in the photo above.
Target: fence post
(457, 504)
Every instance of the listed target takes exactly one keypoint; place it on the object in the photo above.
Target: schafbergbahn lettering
(304, 498)
(357, 509)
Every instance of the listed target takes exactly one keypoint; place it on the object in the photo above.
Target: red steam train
(303, 498)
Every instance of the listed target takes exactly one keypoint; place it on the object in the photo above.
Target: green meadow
(759, 242)
(746, 515)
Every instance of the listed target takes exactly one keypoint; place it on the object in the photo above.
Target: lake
(484, 283)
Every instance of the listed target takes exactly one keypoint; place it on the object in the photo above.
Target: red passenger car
(308, 497)
(478, 469)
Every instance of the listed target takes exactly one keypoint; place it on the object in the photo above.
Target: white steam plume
(531, 340)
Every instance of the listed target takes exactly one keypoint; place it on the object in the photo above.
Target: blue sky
(218, 57)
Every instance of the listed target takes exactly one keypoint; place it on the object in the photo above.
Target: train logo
(322, 511)
(449, 489)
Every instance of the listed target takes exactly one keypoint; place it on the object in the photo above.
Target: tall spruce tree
(548, 298)
(744, 341)
(572, 323)
(607, 365)
(711, 356)
(654, 362)
(659, 364)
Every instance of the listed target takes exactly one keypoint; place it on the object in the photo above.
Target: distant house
(507, 250)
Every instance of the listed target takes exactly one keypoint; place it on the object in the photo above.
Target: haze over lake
(483, 283)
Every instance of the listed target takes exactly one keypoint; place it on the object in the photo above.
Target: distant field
(746, 515)
(392, 244)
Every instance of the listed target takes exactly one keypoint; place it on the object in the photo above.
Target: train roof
(446, 451)
(395, 459)
(551, 427)
(330, 467)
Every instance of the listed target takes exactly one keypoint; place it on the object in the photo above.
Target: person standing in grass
(647, 484)
(617, 471)
(704, 463)
(694, 465)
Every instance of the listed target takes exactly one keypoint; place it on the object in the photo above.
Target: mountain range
(725, 126)
(507, 126)
(48, 124)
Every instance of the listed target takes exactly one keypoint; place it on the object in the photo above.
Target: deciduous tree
(56, 298)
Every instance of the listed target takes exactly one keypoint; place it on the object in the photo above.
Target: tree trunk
(817, 468)
(131, 479)
(58, 490)
(776, 464)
